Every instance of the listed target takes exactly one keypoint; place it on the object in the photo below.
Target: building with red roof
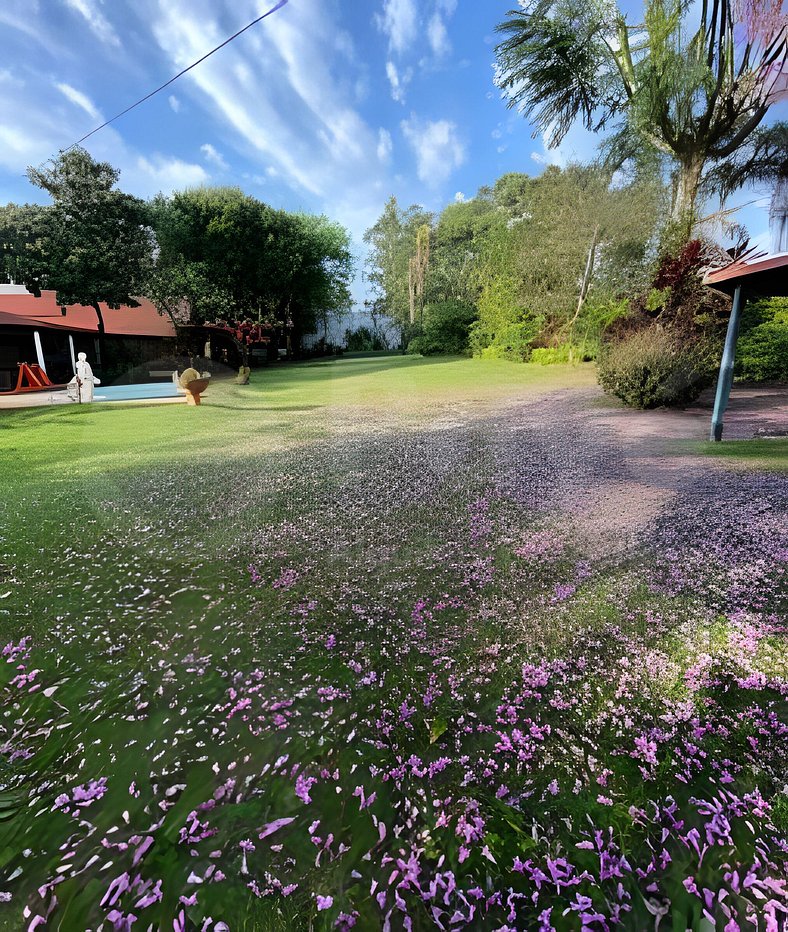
(40, 330)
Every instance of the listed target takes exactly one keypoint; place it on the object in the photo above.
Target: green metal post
(725, 379)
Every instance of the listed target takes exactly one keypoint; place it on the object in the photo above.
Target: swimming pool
(136, 392)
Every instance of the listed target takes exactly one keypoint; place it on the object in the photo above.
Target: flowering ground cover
(390, 649)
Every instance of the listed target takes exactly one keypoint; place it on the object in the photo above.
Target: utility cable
(180, 74)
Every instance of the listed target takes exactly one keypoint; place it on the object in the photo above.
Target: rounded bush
(655, 368)
(763, 353)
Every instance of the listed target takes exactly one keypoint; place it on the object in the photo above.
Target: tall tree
(226, 255)
(95, 245)
(392, 242)
(693, 81)
(21, 229)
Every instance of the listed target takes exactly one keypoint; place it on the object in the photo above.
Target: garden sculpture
(84, 381)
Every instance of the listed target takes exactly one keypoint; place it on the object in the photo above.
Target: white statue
(81, 386)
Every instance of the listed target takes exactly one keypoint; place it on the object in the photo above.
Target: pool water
(133, 392)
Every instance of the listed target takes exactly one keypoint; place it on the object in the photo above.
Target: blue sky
(327, 106)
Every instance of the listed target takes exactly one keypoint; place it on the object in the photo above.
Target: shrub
(655, 368)
(551, 356)
(512, 341)
(763, 344)
(763, 353)
(445, 330)
(363, 340)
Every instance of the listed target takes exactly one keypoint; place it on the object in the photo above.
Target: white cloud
(172, 174)
(447, 6)
(459, 197)
(385, 145)
(213, 156)
(398, 82)
(99, 24)
(437, 148)
(438, 36)
(79, 99)
(174, 103)
(400, 22)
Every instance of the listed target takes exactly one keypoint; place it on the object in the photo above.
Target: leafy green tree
(571, 236)
(225, 255)
(21, 229)
(93, 245)
(458, 240)
(692, 81)
(392, 242)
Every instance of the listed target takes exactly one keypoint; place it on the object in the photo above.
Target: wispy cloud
(437, 148)
(80, 100)
(174, 103)
(398, 81)
(213, 156)
(399, 21)
(385, 145)
(438, 35)
(171, 174)
(98, 22)
(282, 98)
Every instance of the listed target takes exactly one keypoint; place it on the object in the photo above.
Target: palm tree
(692, 81)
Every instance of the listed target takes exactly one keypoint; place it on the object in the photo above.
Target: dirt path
(614, 473)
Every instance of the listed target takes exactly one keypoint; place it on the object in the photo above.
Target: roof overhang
(766, 278)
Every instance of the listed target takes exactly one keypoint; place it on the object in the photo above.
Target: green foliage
(762, 354)
(21, 229)
(224, 254)
(392, 242)
(655, 368)
(93, 244)
(552, 355)
(363, 340)
(657, 298)
(445, 330)
(522, 249)
(514, 341)
(763, 350)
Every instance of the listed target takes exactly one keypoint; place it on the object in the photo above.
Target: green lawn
(339, 618)
(751, 454)
(118, 492)
(281, 406)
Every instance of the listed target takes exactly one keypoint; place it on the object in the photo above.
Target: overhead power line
(180, 74)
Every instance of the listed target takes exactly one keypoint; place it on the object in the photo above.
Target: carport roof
(767, 277)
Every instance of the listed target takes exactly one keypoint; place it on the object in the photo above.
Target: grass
(96, 497)
(133, 538)
(751, 454)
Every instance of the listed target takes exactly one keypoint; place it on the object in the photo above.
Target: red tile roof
(23, 310)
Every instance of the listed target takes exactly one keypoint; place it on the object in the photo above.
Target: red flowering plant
(244, 333)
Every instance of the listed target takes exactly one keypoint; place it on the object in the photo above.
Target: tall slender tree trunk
(101, 341)
(685, 195)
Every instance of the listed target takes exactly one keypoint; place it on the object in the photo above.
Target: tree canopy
(224, 254)
(92, 245)
(691, 81)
